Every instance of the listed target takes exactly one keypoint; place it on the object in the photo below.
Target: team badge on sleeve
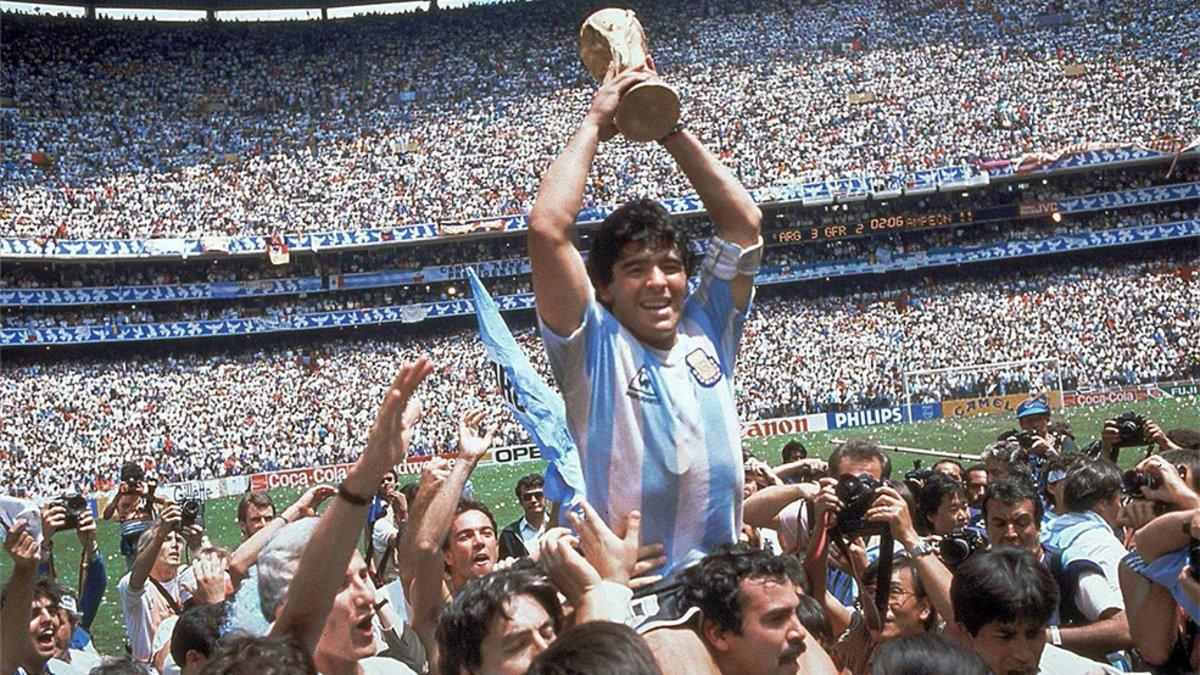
(704, 368)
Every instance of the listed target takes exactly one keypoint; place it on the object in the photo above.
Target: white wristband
(1055, 636)
(726, 260)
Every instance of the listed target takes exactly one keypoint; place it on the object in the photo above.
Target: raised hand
(86, 530)
(392, 431)
(54, 518)
(889, 507)
(608, 96)
(21, 546)
(569, 571)
(473, 444)
(614, 556)
(209, 569)
(649, 557)
(308, 503)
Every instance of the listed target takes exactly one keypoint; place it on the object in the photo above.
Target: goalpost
(1031, 377)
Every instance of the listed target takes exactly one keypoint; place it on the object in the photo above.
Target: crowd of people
(1040, 558)
(71, 422)
(146, 130)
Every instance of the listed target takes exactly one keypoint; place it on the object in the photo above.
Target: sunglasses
(532, 497)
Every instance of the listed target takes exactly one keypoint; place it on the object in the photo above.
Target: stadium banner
(1036, 209)
(875, 416)
(1130, 394)
(785, 426)
(768, 275)
(1188, 389)
(1003, 404)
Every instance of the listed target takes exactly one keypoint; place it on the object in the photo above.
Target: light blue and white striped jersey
(657, 431)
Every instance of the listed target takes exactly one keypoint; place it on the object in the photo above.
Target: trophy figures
(648, 111)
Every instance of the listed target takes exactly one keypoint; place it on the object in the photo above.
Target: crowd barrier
(809, 194)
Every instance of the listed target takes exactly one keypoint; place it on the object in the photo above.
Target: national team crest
(704, 368)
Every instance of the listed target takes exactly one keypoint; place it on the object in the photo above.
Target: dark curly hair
(464, 621)
(1002, 585)
(1013, 490)
(641, 220)
(713, 584)
(244, 654)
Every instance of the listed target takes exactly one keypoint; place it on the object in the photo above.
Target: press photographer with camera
(1038, 434)
(1129, 430)
(916, 583)
(133, 507)
(152, 591)
(71, 512)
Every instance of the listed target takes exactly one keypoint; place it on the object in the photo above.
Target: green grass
(493, 484)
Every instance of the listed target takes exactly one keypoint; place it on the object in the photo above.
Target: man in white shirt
(521, 536)
(151, 591)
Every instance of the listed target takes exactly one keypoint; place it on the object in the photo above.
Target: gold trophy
(648, 111)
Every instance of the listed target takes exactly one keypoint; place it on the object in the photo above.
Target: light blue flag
(539, 409)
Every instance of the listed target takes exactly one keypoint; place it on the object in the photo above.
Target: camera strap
(171, 602)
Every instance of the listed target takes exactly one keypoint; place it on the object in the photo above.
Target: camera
(75, 506)
(856, 493)
(917, 474)
(192, 513)
(959, 545)
(1132, 481)
(1025, 438)
(1131, 428)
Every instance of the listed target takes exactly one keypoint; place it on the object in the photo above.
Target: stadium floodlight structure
(1035, 375)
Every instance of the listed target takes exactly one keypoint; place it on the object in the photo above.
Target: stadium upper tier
(120, 130)
(235, 410)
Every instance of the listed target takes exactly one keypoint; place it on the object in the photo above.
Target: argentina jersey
(657, 431)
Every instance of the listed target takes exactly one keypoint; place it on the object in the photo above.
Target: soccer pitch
(493, 485)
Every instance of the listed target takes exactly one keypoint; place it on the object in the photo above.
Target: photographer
(159, 551)
(918, 590)
(134, 508)
(64, 514)
(1087, 541)
(1033, 416)
(1130, 430)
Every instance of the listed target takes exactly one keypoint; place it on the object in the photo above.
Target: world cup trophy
(648, 111)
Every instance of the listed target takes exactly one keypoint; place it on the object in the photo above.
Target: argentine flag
(539, 409)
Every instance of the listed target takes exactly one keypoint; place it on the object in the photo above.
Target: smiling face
(44, 624)
(472, 549)
(515, 637)
(772, 637)
(951, 514)
(349, 634)
(646, 294)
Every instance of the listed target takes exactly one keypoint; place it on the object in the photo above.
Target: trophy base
(647, 112)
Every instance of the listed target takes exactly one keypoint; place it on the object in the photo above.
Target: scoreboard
(892, 222)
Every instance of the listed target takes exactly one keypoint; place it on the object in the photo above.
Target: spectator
(521, 536)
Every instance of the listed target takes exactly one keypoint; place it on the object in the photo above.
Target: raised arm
(560, 282)
(430, 527)
(323, 565)
(14, 617)
(1166, 533)
(144, 562)
(735, 216)
(245, 556)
